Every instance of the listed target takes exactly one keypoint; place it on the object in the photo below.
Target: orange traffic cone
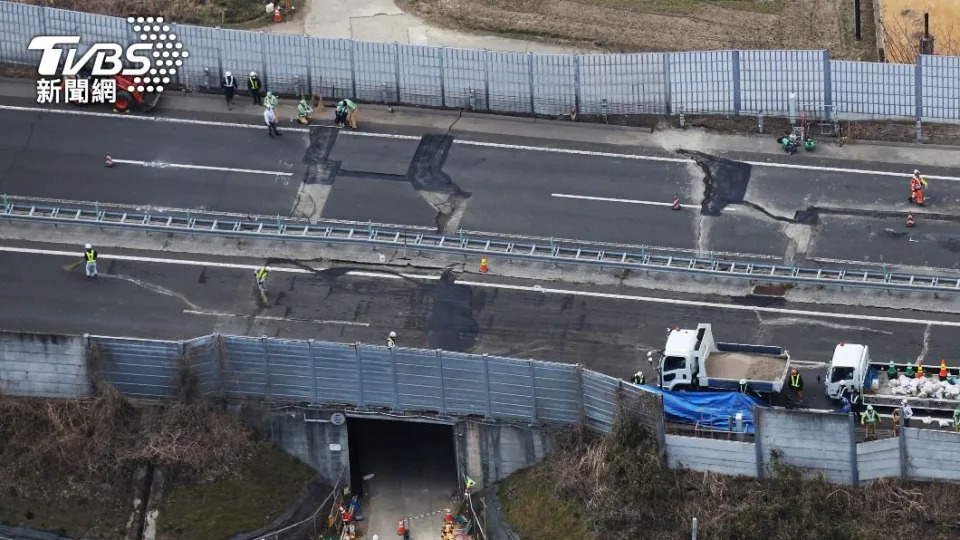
(402, 527)
(483, 264)
(676, 202)
(109, 161)
(449, 517)
(920, 374)
(910, 221)
(943, 368)
(276, 15)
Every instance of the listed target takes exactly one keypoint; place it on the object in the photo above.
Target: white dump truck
(851, 366)
(692, 360)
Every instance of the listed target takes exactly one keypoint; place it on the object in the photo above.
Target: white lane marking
(525, 288)
(571, 151)
(273, 318)
(163, 165)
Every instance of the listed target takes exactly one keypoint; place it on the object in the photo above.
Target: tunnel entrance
(414, 472)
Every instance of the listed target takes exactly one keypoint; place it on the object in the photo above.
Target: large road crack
(155, 289)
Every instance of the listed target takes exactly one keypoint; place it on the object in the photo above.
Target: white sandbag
(894, 383)
(929, 388)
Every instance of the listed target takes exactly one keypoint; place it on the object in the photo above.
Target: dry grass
(663, 25)
(618, 487)
(903, 29)
(205, 12)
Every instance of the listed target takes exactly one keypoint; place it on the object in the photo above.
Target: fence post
(533, 392)
(263, 59)
(854, 462)
(533, 108)
(220, 59)
(577, 81)
(396, 379)
(579, 381)
(443, 396)
(313, 372)
(266, 364)
(735, 57)
(918, 96)
(667, 87)
(486, 383)
(360, 404)
(310, 57)
(827, 86)
(443, 84)
(904, 456)
(758, 440)
(486, 79)
(396, 69)
(91, 377)
(353, 69)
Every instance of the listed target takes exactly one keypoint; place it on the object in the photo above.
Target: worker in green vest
(351, 109)
(303, 111)
(869, 420)
(956, 420)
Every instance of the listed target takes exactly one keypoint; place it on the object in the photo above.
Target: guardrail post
(579, 381)
(918, 96)
(360, 403)
(854, 462)
(396, 69)
(533, 107)
(577, 81)
(443, 83)
(827, 85)
(534, 417)
(266, 365)
(396, 379)
(758, 440)
(353, 69)
(313, 372)
(443, 393)
(486, 383)
(735, 62)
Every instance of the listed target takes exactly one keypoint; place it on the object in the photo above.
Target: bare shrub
(181, 11)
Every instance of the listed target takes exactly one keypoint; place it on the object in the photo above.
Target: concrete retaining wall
(488, 453)
(711, 455)
(819, 443)
(878, 459)
(43, 365)
(932, 454)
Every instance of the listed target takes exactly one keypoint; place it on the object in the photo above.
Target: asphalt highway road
(750, 208)
(470, 314)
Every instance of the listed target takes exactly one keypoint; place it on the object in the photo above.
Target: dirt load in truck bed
(753, 367)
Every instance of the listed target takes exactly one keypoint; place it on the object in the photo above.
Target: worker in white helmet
(90, 258)
(392, 340)
(229, 87)
(917, 185)
(254, 85)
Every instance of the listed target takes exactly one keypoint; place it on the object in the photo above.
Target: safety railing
(518, 249)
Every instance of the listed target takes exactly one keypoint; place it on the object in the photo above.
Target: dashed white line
(163, 165)
(569, 151)
(524, 288)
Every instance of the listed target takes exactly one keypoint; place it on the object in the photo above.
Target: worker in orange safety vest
(917, 185)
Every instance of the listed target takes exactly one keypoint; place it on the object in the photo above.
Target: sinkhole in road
(414, 472)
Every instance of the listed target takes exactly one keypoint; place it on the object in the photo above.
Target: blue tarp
(711, 409)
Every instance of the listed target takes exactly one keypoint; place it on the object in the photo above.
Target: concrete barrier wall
(932, 454)
(489, 453)
(817, 442)
(43, 365)
(711, 455)
(878, 459)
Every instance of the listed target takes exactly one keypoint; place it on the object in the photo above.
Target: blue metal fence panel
(376, 71)
(202, 68)
(418, 380)
(203, 356)
(337, 373)
(554, 83)
(768, 78)
(631, 83)
(242, 52)
(248, 366)
(940, 78)
(91, 28)
(290, 370)
(421, 72)
(140, 368)
(701, 82)
(465, 389)
(867, 90)
(287, 64)
(599, 399)
(508, 81)
(511, 389)
(19, 23)
(558, 393)
(331, 67)
(465, 78)
(377, 373)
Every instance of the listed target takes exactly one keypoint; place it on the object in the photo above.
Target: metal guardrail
(549, 252)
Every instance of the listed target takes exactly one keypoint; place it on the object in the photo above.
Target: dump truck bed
(764, 368)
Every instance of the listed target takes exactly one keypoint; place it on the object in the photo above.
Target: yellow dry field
(902, 22)
(663, 25)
